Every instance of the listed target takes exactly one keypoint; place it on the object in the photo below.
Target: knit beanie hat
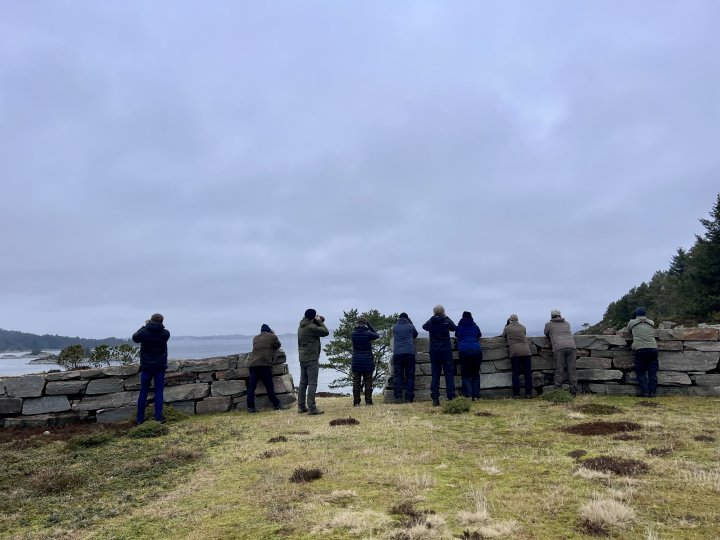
(404, 315)
(467, 315)
(640, 312)
(513, 317)
(362, 321)
(555, 313)
(310, 313)
(265, 328)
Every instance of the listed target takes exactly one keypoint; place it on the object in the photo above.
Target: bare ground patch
(576, 454)
(704, 438)
(600, 427)
(344, 422)
(650, 404)
(279, 438)
(485, 413)
(660, 452)
(627, 437)
(615, 465)
(598, 409)
(302, 474)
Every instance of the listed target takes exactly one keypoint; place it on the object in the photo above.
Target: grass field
(501, 470)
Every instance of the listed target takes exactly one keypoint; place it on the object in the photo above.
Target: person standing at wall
(363, 361)
(646, 352)
(519, 351)
(439, 327)
(260, 365)
(468, 341)
(312, 328)
(153, 338)
(558, 331)
(404, 334)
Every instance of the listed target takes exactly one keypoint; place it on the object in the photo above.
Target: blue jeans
(521, 363)
(470, 372)
(264, 375)
(440, 362)
(404, 376)
(157, 376)
(646, 366)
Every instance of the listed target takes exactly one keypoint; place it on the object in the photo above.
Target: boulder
(206, 364)
(502, 365)
(279, 358)
(120, 414)
(282, 385)
(187, 407)
(485, 367)
(25, 386)
(213, 405)
(593, 363)
(673, 378)
(264, 403)
(45, 405)
(495, 393)
(599, 342)
(599, 374)
(10, 405)
(280, 369)
(57, 388)
(104, 386)
(625, 361)
(705, 346)
(689, 361)
(176, 378)
(105, 401)
(186, 391)
(206, 376)
(228, 388)
(707, 380)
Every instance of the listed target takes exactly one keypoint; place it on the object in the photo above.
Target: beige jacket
(558, 331)
(515, 334)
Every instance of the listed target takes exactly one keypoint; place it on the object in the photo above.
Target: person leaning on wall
(153, 338)
(404, 334)
(363, 361)
(468, 336)
(558, 331)
(311, 329)
(646, 352)
(520, 357)
(439, 327)
(260, 365)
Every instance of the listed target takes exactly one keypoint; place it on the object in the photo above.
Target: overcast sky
(234, 163)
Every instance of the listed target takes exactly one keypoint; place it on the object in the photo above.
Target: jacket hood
(305, 322)
(557, 319)
(466, 321)
(153, 326)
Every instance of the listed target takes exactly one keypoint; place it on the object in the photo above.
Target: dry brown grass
(603, 514)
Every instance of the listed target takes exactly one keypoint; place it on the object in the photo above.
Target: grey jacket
(515, 334)
(643, 332)
(404, 334)
(558, 331)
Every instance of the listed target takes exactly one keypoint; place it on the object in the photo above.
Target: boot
(316, 411)
(436, 402)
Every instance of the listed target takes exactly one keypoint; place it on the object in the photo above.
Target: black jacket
(362, 355)
(439, 329)
(153, 338)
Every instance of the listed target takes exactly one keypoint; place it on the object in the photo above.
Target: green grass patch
(557, 396)
(458, 405)
(147, 429)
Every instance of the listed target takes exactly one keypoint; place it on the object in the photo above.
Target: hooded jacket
(439, 329)
(153, 338)
(309, 334)
(468, 336)
(404, 334)
(264, 346)
(515, 334)
(362, 355)
(643, 332)
(558, 331)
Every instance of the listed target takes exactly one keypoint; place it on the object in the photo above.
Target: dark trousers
(264, 375)
(404, 376)
(521, 363)
(157, 377)
(470, 373)
(646, 366)
(362, 381)
(442, 362)
(308, 384)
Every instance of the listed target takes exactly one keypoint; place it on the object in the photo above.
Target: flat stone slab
(187, 407)
(282, 385)
(542, 362)
(613, 389)
(106, 401)
(91, 373)
(599, 374)
(599, 342)
(280, 369)
(45, 405)
(104, 386)
(186, 391)
(689, 334)
(57, 388)
(495, 380)
(491, 343)
(422, 358)
(213, 405)
(120, 414)
(10, 405)
(121, 371)
(593, 363)
(485, 367)
(688, 360)
(707, 380)
(25, 386)
(666, 378)
(206, 364)
(227, 388)
(540, 341)
(670, 345)
(63, 376)
(237, 373)
(494, 354)
(502, 365)
(42, 420)
(705, 346)
(263, 402)
(699, 391)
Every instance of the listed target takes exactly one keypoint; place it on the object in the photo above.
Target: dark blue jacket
(404, 335)
(362, 355)
(439, 329)
(153, 338)
(468, 336)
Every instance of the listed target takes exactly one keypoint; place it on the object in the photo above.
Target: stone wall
(688, 358)
(110, 394)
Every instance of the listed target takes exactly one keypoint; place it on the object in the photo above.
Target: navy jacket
(439, 329)
(404, 335)
(468, 336)
(153, 338)
(362, 355)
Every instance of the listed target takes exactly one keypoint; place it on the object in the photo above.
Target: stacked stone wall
(689, 361)
(110, 394)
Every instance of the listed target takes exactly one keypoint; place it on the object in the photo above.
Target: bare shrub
(279, 438)
(409, 515)
(614, 465)
(302, 474)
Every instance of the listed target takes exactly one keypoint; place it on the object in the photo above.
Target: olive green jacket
(643, 332)
(309, 335)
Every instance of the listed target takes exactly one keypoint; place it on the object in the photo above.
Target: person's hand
(320, 318)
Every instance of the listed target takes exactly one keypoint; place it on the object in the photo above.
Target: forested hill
(687, 292)
(11, 340)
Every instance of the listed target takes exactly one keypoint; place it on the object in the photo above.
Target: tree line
(687, 292)
(12, 340)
